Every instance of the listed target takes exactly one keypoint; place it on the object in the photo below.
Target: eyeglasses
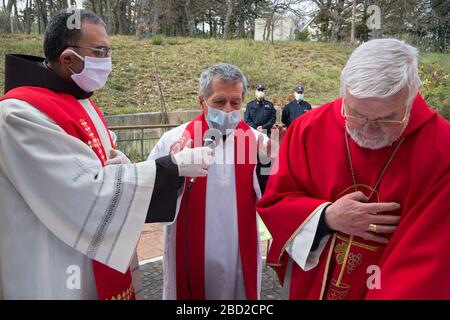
(101, 52)
(357, 121)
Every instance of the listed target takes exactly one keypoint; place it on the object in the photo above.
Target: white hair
(381, 68)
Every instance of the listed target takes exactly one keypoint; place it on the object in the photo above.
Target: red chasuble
(68, 113)
(314, 168)
(246, 213)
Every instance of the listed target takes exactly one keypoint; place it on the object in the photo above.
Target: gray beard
(381, 142)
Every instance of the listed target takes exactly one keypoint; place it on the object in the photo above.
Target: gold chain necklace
(377, 184)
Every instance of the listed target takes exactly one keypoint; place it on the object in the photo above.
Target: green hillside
(179, 61)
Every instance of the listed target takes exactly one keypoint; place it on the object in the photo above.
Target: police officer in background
(296, 107)
(260, 113)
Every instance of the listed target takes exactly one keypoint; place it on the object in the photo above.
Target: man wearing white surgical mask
(260, 113)
(70, 203)
(296, 107)
(213, 250)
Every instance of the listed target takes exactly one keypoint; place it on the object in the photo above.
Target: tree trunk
(38, 13)
(9, 7)
(16, 16)
(272, 29)
(241, 27)
(143, 19)
(269, 27)
(109, 18)
(27, 17)
(190, 18)
(336, 29)
(352, 36)
(215, 27)
(44, 14)
(210, 24)
(97, 7)
(51, 8)
(156, 13)
(122, 17)
(228, 15)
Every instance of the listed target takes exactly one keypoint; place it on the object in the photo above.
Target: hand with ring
(352, 215)
(372, 228)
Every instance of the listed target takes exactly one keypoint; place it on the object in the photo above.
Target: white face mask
(221, 120)
(260, 94)
(299, 96)
(95, 73)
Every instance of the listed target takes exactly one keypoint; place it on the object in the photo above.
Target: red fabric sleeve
(416, 263)
(287, 202)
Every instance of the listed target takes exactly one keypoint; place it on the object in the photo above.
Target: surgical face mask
(260, 94)
(95, 73)
(299, 96)
(221, 120)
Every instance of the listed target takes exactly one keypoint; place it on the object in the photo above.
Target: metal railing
(138, 140)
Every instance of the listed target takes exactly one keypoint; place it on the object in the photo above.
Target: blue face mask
(221, 120)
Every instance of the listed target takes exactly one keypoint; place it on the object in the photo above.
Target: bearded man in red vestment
(359, 208)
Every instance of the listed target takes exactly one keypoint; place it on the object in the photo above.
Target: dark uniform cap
(299, 89)
(260, 86)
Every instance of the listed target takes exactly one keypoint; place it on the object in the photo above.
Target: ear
(202, 103)
(67, 59)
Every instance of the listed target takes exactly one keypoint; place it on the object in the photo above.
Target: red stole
(67, 112)
(413, 265)
(247, 223)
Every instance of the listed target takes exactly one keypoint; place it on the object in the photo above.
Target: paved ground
(152, 281)
(150, 246)
(151, 242)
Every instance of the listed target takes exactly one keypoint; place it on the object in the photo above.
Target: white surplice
(224, 278)
(59, 208)
(299, 249)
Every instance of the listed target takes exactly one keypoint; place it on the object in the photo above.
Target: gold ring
(372, 228)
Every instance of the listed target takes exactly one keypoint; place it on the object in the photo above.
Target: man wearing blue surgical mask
(69, 202)
(212, 251)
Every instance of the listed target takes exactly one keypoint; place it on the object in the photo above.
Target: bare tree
(16, 18)
(156, 14)
(109, 17)
(121, 16)
(335, 10)
(190, 18)
(97, 7)
(27, 17)
(41, 15)
(273, 12)
(352, 36)
(229, 13)
(8, 11)
(143, 19)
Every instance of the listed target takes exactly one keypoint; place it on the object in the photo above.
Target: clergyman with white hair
(359, 208)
